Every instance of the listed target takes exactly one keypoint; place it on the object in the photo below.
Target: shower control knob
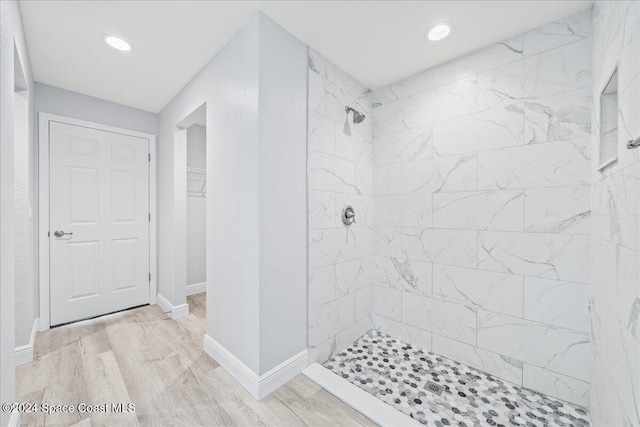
(348, 215)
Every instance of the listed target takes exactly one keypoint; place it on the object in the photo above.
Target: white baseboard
(241, 372)
(164, 304)
(24, 353)
(14, 421)
(363, 402)
(196, 288)
(259, 386)
(177, 311)
(271, 380)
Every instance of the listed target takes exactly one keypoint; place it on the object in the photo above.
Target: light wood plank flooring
(144, 357)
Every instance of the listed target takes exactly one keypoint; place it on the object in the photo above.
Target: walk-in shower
(460, 267)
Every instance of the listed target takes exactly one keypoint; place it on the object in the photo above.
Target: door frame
(43, 205)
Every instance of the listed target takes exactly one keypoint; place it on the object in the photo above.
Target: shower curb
(363, 402)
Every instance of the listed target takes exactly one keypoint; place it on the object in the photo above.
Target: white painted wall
(11, 34)
(255, 94)
(196, 210)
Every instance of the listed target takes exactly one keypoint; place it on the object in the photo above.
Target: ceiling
(378, 42)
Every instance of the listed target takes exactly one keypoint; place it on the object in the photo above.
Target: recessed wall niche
(609, 122)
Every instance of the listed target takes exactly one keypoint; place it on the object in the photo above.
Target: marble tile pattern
(615, 224)
(398, 373)
(340, 173)
(481, 208)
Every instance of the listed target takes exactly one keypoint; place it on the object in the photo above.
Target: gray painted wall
(51, 99)
(12, 34)
(229, 86)
(255, 93)
(283, 194)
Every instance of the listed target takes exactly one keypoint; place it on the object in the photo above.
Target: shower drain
(434, 388)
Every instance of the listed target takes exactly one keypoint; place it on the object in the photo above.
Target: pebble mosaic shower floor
(397, 373)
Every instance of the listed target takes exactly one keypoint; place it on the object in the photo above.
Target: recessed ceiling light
(117, 43)
(439, 31)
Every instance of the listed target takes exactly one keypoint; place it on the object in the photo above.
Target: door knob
(60, 233)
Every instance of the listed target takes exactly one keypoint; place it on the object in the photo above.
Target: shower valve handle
(348, 215)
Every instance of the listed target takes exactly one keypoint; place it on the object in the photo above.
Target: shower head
(358, 117)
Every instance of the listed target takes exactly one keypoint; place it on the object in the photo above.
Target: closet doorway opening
(194, 131)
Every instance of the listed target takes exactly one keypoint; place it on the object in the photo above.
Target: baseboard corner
(164, 303)
(238, 370)
(179, 311)
(176, 311)
(259, 386)
(24, 353)
(276, 377)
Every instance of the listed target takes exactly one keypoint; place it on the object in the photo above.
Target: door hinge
(149, 217)
(48, 234)
(149, 156)
(149, 276)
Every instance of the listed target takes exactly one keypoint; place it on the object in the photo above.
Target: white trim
(241, 372)
(363, 402)
(177, 311)
(196, 288)
(153, 223)
(283, 373)
(180, 214)
(43, 219)
(43, 205)
(14, 421)
(259, 386)
(24, 353)
(164, 304)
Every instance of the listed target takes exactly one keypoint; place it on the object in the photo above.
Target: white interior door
(99, 197)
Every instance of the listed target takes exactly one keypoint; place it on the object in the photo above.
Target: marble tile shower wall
(339, 174)
(615, 299)
(481, 209)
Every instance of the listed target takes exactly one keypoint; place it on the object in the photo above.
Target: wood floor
(144, 357)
